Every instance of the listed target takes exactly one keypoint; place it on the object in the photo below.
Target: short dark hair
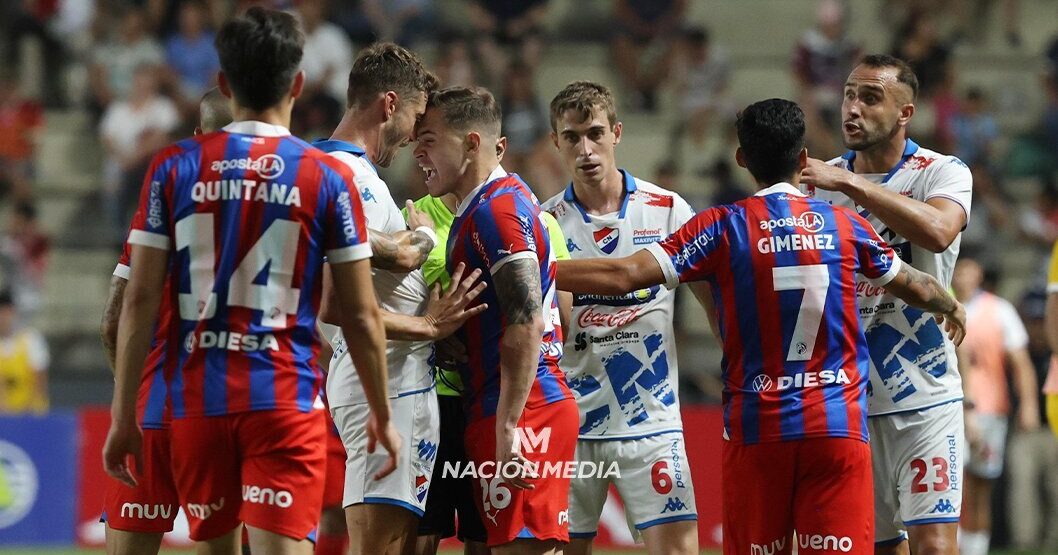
(468, 109)
(583, 97)
(385, 66)
(260, 53)
(214, 111)
(904, 73)
(698, 36)
(771, 134)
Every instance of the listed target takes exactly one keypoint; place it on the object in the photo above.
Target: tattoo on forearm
(111, 312)
(518, 290)
(400, 251)
(936, 298)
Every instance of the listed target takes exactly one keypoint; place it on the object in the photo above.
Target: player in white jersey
(387, 93)
(919, 202)
(620, 356)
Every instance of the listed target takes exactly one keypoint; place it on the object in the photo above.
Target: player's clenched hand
(509, 454)
(954, 323)
(123, 442)
(417, 218)
(446, 312)
(386, 435)
(821, 175)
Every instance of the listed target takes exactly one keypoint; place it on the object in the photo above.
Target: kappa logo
(674, 505)
(762, 383)
(606, 239)
(943, 506)
(571, 246)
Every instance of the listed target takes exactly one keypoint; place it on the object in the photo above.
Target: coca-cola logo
(865, 289)
(590, 318)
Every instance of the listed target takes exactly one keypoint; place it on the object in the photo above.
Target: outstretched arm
(610, 276)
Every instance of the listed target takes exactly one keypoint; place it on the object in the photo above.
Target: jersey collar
(781, 187)
(910, 148)
(496, 174)
(630, 187)
(256, 128)
(336, 145)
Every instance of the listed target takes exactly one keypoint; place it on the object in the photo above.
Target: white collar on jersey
(256, 128)
(781, 187)
(465, 203)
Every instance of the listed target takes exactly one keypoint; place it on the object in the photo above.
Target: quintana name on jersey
(246, 189)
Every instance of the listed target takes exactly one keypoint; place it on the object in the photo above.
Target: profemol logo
(18, 484)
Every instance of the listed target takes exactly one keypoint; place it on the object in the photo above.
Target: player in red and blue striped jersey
(241, 220)
(782, 269)
(514, 388)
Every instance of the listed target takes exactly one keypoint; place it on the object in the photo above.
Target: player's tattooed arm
(519, 294)
(402, 251)
(922, 290)
(108, 328)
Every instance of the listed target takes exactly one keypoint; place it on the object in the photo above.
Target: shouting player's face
(396, 134)
(587, 145)
(875, 108)
(440, 152)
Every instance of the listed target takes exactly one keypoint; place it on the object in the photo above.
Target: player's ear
(222, 84)
(802, 159)
(740, 158)
(390, 103)
(472, 142)
(554, 140)
(617, 128)
(501, 148)
(298, 85)
(906, 111)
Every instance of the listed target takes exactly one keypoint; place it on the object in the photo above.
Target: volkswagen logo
(761, 383)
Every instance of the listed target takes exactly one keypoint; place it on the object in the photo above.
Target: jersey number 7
(815, 281)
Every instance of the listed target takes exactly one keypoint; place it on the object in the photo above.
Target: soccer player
(137, 517)
(996, 341)
(918, 201)
(782, 270)
(388, 86)
(243, 218)
(622, 367)
(452, 496)
(1050, 386)
(513, 387)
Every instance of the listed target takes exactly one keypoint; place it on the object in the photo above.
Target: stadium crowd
(139, 69)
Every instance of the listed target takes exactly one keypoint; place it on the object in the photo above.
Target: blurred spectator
(454, 66)
(502, 24)
(530, 151)
(25, 248)
(991, 214)
(973, 12)
(402, 21)
(24, 19)
(132, 131)
(702, 74)
(21, 119)
(918, 43)
(823, 58)
(997, 349)
(727, 189)
(328, 55)
(1039, 220)
(975, 130)
(23, 364)
(1050, 117)
(113, 62)
(190, 54)
(639, 26)
(1032, 498)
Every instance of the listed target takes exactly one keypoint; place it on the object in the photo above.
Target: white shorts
(415, 417)
(986, 461)
(654, 483)
(918, 464)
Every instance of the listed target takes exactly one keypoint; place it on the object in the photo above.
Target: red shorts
(152, 505)
(540, 513)
(334, 484)
(263, 468)
(821, 487)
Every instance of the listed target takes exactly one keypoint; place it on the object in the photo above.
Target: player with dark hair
(918, 200)
(782, 268)
(513, 387)
(241, 220)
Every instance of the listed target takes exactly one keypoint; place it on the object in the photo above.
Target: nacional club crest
(606, 239)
